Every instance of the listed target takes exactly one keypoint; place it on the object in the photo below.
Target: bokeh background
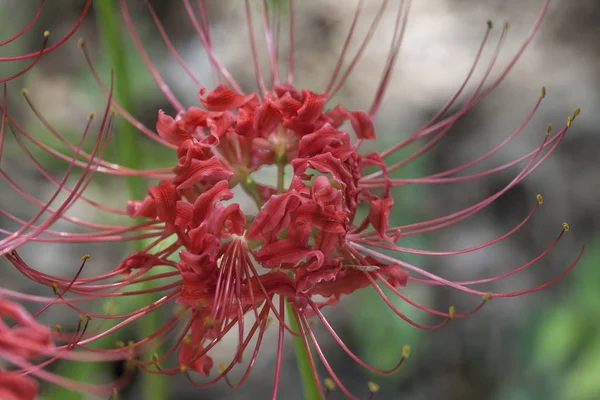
(541, 346)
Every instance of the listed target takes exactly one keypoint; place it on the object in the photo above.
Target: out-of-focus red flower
(14, 386)
(317, 235)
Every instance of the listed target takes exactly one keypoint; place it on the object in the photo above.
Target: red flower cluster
(306, 244)
(301, 230)
(22, 339)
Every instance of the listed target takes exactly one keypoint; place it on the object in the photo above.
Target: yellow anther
(24, 92)
(155, 358)
(209, 321)
(490, 24)
(373, 387)
(505, 25)
(85, 257)
(183, 367)
(55, 288)
(269, 320)
(540, 199)
(114, 394)
(81, 42)
(180, 312)
(488, 296)
(329, 383)
(46, 33)
(569, 121)
(543, 91)
(187, 339)
(565, 226)
(88, 317)
(452, 312)
(405, 351)
(548, 129)
(80, 318)
(56, 328)
(131, 345)
(113, 112)
(576, 112)
(130, 364)
(91, 115)
(120, 344)
(222, 367)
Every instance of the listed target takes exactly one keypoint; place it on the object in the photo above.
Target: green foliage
(562, 361)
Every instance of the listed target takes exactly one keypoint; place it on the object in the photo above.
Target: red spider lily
(305, 243)
(45, 48)
(23, 339)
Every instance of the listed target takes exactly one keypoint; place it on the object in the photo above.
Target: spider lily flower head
(33, 58)
(305, 243)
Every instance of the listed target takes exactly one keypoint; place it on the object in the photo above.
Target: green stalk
(309, 386)
(129, 154)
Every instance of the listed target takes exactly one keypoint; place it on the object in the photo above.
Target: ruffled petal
(223, 98)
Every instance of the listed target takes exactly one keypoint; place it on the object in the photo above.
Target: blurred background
(540, 346)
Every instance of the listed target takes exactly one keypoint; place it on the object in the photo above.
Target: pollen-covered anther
(85, 257)
(55, 288)
(373, 387)
(81, 319)
(81, 42)
(565, 227)
(46, 33)
(405, 351)
(548, 129)
(130, 364)
(57, 328)
(329, 383)
(452, 312)
(154, 359)
(540, 199)
(576, 112)
(222, 368)
(91, 116)
(488, 296)
(181, 310)
(24, 92)
(120, 344)
(569, 121)
(543, 92)
(187, 339)
(183, 368)
(113, 112)
(210, 322)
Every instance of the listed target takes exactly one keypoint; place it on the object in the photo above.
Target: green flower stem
(129, 154)
(249, 185)
(310, 388)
